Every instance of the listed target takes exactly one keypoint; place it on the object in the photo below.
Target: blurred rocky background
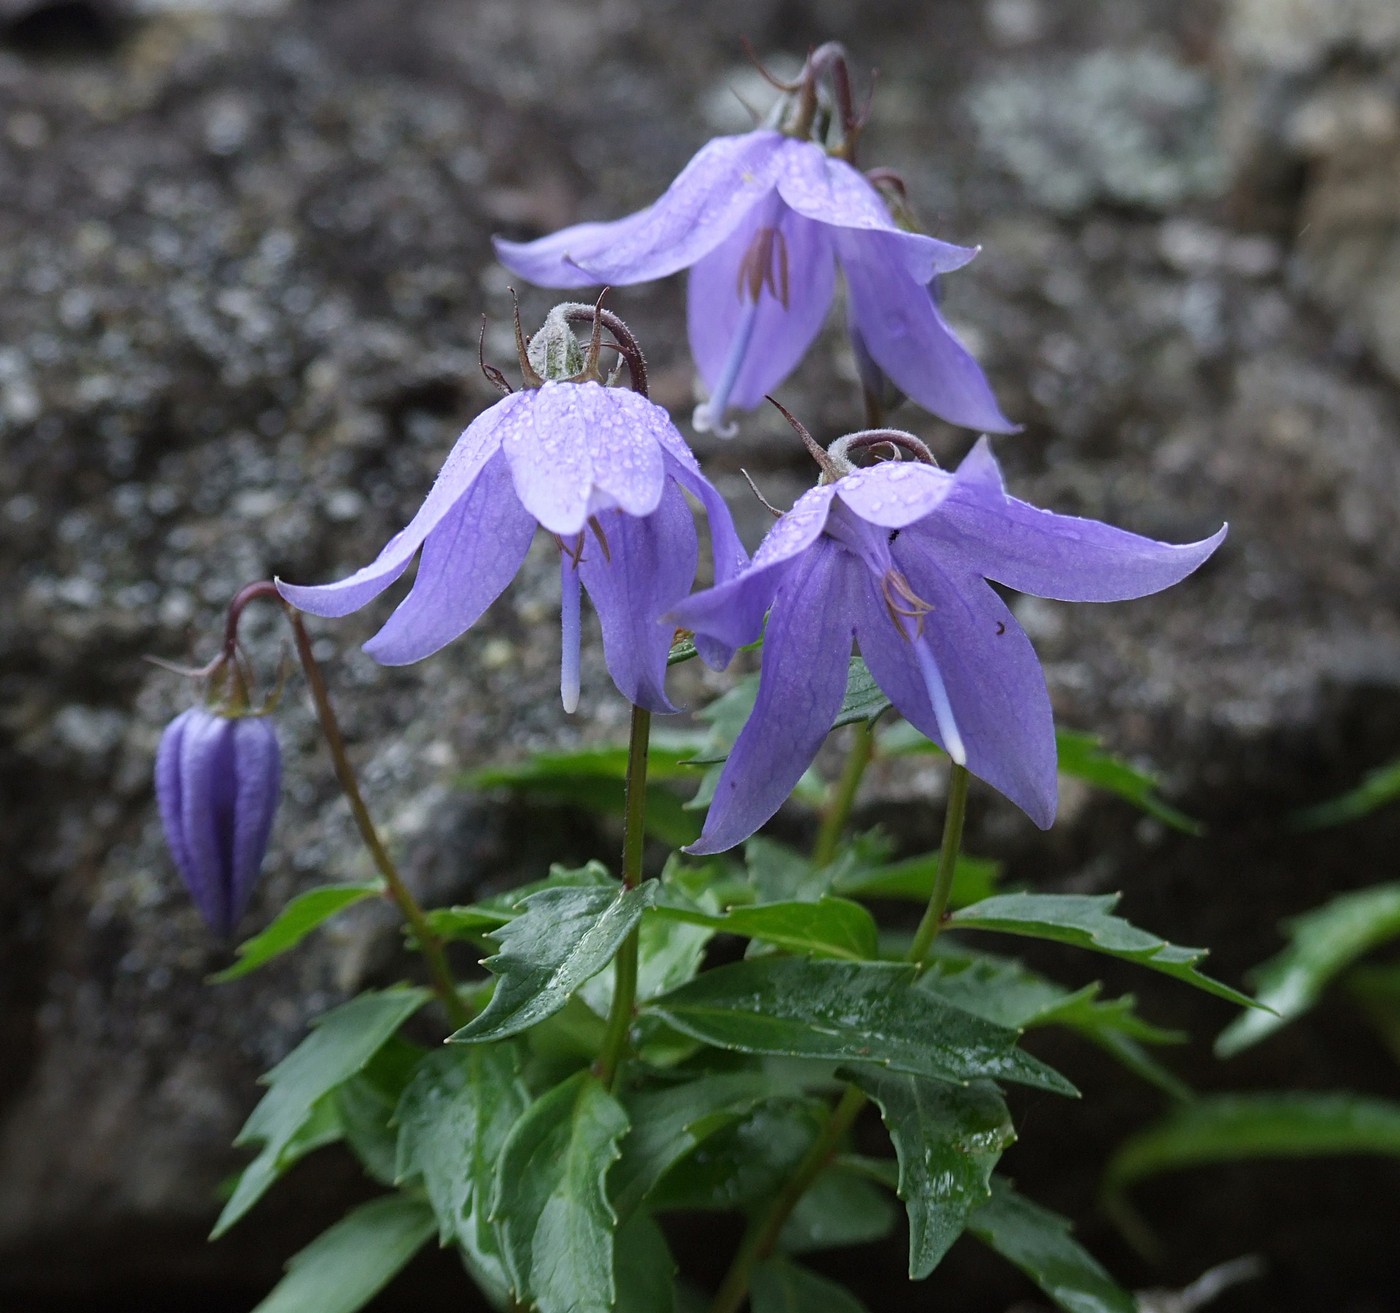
(243, 259)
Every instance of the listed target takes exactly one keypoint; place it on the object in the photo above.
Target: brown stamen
(902, 600)
(765, 264)
(602, 538)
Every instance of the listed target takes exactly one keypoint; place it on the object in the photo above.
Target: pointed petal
(697, 211)
(257, 762)
(805, 656)
(983, 531)
(467, 562)
(990, 672)
(894, 494)
(803, 267)
(623, 431)
(648, 567)
(732, 613)
(908, 338)
(830, 191)
(466, 460)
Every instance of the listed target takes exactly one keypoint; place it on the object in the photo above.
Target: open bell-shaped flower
(600, 468)
(218, 780)
(897, 557)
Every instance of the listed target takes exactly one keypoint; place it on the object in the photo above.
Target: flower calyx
(820, 105)
(554, 355)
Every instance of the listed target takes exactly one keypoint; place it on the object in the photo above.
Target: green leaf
(1325, 941)
(453, 1122)
(1081, 756)
(1232, 1127)
(341, 1042)
(1039, 1243)
(782, 1287)
(948, 1139)
(777, 873)
(344, 1268)
(643, 1268)
(366, 1103)
(1376, 989)
(560, 939)
(1087, 921)
(668, 1123)
(1377, 788)
(550, 1208)
(863, 699)
(847, 1012)
(477, 920)
(668, 954)
(299, 918)
(841, 1207)
(974, 878)
(832, 927)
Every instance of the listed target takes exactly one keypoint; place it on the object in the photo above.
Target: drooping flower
(600, 468)
(218, 780)
(762, 220)
(897, 557)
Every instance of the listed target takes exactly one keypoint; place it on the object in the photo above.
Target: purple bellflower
(600, 468)
(217, 782)
(897, 556)
(762, 220)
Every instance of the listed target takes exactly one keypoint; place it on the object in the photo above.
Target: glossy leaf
(1228, 1128)
(344, 1268)
(561, 938)
(1324, 942)
(841, 1207)
(453, 1122)
(1039, 1243)
(1087, 921)
(831, 927)
(1377, 788)
(550, 1208)
(341, 1042)
(948, 1139)
(848, 1012)
(477, 920)
(299, 918)
(782, 1287)
(643, 1269)
(366, 1104)
(974, 878)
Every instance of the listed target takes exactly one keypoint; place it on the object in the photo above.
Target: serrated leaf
(643, 1268)
(841, 1207)
(341, 1042)
(344, 1268)
(974, 878)
(561, 938)
(1377, 788)
(1087, 921)
(299, 918)
(453, 1121)
(830, 927)
(667, 1124)
(848, 1012)
(550, 1208)
(948, 1139)
(782, 1287)
(366, 1103)
(1232, 1127)
(1039, 1243)
(1324, 942)
(863, 699)
(477, 920)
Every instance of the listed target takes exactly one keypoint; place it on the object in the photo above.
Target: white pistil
(709, 415)
(569, 626)
(938, 695)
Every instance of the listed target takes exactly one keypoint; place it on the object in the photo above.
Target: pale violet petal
(550, 462)
(894, 494)
(621, 429)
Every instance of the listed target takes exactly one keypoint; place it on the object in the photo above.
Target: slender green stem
(633, 838)
(428, 943)
(762, 1235)
(838, 810)
(947, 864)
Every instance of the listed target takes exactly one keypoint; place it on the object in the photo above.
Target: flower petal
(207, 807)
(908, 338)
(466, 460)
(805, 657)
(830, 191)
(802, 269)
(1061, 556)
(170, 788)
(894, 493)
(696, 212)
(467, 562)
(623, 431)
(257, 764)
(732, 613)
(648, 567)
(989, 670)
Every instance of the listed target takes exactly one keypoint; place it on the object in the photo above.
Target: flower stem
(633, 837)
(838, 810)
(947, 865)
(428, 943)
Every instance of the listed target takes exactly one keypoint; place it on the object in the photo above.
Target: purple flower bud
(217, 782)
